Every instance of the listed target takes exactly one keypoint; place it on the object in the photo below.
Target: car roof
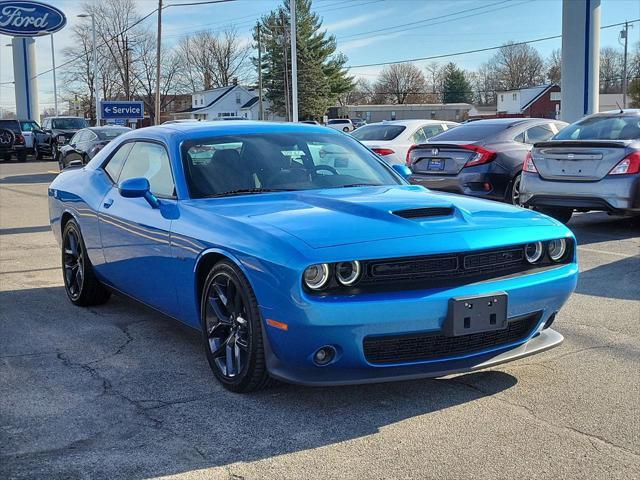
(510, 121)
(410, 122)
(626, 112)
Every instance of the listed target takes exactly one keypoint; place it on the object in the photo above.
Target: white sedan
(393, 139)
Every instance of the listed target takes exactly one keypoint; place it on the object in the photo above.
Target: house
(483, 111)
(229, 101)
(454, 112)
(542, 101)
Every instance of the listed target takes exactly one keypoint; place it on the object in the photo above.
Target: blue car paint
(153, 254)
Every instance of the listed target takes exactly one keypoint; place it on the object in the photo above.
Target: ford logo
(29, 19)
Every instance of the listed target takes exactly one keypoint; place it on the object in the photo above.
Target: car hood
(342, 216)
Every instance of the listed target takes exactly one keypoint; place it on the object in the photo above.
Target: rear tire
(232, 330)
(80, 282)
(345, 129)
(559, 213)
(513, 193)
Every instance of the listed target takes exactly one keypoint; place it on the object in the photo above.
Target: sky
(363, 30)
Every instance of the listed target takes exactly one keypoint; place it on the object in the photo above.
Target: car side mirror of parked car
(402, 170)
(138, 187)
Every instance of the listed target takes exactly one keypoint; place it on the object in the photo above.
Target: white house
(230, 101)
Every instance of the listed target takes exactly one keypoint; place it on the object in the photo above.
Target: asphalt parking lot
(119, 391)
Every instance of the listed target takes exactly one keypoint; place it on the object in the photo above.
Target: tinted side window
(116, 161)
(151, 161)
(76, 138)
(540, 133)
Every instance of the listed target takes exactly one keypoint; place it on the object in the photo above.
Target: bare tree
(484, 83)
(78, 77)
(517, 66)
(611, 60)
(208, 60)
(402, 83)
(361, 94)
(554, 66)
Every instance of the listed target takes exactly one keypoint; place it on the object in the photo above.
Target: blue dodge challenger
(302, 256)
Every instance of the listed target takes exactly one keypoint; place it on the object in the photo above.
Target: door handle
(108, 203)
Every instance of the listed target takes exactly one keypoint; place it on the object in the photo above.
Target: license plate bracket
(475, 314)
(435, 164)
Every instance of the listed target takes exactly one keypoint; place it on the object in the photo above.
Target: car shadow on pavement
(599, 227)
(29, 178)
(120, 391)
(619, 279)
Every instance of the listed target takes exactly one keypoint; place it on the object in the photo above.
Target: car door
(70, 153)
(134, 235)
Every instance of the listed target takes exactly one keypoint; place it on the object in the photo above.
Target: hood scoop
(415, 213)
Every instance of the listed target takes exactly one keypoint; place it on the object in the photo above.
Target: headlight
(533, 252)
(316, 276)
(348, 273)
(557, 249)
(61, 139)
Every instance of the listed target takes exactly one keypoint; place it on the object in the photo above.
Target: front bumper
(610, 194)
(345, 322)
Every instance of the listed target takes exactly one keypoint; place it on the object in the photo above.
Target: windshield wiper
(247, 191)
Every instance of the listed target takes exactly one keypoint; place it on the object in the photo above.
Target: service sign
(121, 109)
(22, 18)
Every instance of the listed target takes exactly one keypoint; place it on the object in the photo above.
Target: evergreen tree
(321, 73)
(455, 86)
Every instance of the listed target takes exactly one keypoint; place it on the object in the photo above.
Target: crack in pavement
(562, 428)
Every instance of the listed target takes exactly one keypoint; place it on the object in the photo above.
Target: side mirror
(138, 188)
(402, 170)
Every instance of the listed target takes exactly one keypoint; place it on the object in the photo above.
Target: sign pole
(294, 62)
(158, 46)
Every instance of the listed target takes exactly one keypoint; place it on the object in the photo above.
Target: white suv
(343, 124)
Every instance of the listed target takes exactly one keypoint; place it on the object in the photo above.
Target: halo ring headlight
(533, 251)
(348, 273)
(557, 248)
(316, 276)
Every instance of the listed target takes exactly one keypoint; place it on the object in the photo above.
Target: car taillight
(628, 165)
(528, 165)
(383, 151)
(19, 138)
(482, 156)
(408, 159)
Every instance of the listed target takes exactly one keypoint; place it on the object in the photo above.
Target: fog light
(533, 252)
(557, 249)
(324, 355)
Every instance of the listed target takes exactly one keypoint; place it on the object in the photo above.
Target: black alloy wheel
(232, 330)
(80, 283)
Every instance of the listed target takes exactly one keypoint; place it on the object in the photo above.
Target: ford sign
(29, 19)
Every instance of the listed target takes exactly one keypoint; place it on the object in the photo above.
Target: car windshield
(29, 126)
(378, 132)
(603, 127)
(470, 132)
(69, 123)
(279, 162)
(111, 133)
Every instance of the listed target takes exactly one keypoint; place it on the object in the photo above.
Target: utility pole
(261, 109)
(286, 68)
(294, 61)
(55, 86)
(625, 35)
(127, 87)
(157, 109)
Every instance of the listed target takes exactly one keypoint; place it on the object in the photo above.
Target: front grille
(425, 212)
(435, 345)
(453, 267)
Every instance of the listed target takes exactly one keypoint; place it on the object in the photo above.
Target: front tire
(80, 282)
(232, 330)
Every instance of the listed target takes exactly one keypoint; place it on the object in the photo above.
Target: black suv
(12, 141)
(59, 131)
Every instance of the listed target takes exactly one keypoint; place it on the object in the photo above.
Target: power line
(478, 50)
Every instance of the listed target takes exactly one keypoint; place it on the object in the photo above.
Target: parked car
(343, 124)
(483, 158)
(310, 122)
(393, 139)
(358, 122)
(593, 164)
(33, 136)
(59, 131)
(12, 144)
(294, 268)
(86, 143)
